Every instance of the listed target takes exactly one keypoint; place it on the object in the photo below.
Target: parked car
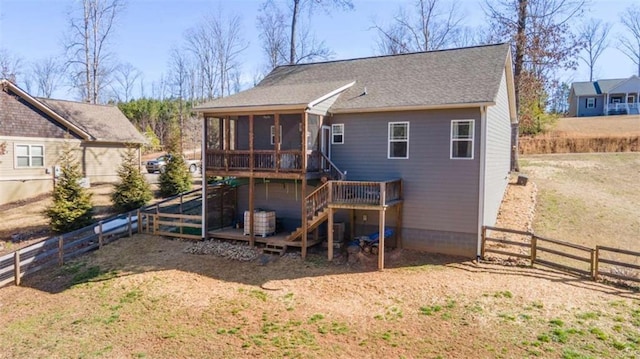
(160, 164)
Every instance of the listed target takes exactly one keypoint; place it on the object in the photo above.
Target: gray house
(413, 149)
(605, 97)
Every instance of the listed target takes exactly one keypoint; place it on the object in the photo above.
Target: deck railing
(263, 160)
(365, 193)
(317, 200)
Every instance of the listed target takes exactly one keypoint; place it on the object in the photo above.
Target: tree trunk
(517, 73)
(294, 20)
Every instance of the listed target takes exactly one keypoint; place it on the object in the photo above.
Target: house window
(398, 140)
(29, 156)
(591, 102)
(462, 139)
(273, 134)
(337, 134)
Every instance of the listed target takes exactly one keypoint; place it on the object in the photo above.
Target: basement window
(29, 156)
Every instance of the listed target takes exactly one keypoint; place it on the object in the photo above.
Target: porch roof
(599, 87)
(446, 78)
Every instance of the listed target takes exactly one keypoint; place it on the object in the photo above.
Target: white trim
(389, 140)
(326, 128)
(413, 108)
(593, 102)
(341, 125)
(482, 170)
(38, 139)
(334, 92)
(30, 156)
(472, 139)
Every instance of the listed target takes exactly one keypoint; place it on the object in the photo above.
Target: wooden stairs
(312, 224)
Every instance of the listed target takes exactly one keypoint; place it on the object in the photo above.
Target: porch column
(227, 140)
(252, 184)
(203, 162)
(303, 135)
(251, 136)
(276, 142)
(381, 239)
(606, 104)
(330, 235)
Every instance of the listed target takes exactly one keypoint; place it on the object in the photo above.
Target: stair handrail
(333, 170)
(317, 200)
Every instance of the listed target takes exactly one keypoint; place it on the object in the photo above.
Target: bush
(72, 208)
(176, 177)
(133, 190)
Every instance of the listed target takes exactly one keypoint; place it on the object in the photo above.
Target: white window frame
(29, 156)
(591, 102)
(456, 139)
(273, 134)
(390, 140)
(334, 127)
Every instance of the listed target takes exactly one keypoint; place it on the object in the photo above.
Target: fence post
(596, 261)
(16, 266)
(129, 220)
(484, 241)
(60, 250)
(139, 221)
(100, 239)
(534, 249)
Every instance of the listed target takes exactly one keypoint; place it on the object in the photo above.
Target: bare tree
(87, 46)
(594, 34)
(46, 73)
(10, 65)
(216, 46)
(293, 43)
(125, 76)
(432, 25)
(630, 44)
(179, 83)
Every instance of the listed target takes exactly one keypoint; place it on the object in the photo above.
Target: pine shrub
(176, 177)
(71, 208)
(133, 191)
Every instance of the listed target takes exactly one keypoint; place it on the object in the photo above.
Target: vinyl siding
(101, 161)
(598, 110)
(497, 154)
(283, 197)
(441, 194)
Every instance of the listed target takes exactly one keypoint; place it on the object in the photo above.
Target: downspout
(481, 185)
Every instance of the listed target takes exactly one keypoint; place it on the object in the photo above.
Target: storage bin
(264, 223)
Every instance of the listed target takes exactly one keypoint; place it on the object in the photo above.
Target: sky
(34, 29)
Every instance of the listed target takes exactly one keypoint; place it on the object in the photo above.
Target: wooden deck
(278, 238)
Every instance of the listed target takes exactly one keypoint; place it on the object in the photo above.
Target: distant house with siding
(35, 129)
(605, 97)
(417, 143)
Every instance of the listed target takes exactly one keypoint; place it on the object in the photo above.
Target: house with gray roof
(34, 131)
(605, 97)
(410, 151)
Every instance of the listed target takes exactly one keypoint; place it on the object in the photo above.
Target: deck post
(130, 227)
(399, 225)
(100, 236)
(16, 267)
(304, 217)
(381, 240)
(138, 229)
(226, 122)
(330, 235)
(252, 184)
(352, 225)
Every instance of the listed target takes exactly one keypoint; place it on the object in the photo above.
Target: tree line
(547, 37)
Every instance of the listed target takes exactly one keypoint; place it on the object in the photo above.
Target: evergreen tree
(176, 177)
(72, 208)
(133, 190)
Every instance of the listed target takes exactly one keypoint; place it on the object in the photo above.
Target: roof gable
(632, 84)
(105, 123)
(456, 77)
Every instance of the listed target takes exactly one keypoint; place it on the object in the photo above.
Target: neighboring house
(417, 143)
(605, 97)
(36, 129)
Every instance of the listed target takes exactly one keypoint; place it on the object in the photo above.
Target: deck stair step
(311, 224)
(275, 249)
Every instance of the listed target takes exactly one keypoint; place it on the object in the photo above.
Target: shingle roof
(445, 77)
(103, 122)
(588, 88)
